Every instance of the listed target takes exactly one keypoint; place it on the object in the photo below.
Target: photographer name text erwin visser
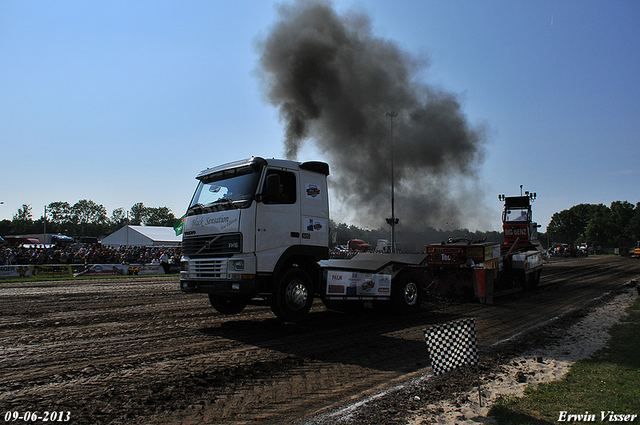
(605, 416)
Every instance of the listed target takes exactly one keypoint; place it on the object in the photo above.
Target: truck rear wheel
(227, 305)
(293, 295)
(406, 293)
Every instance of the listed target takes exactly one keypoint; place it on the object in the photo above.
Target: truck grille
(212, 269)
(212, 245)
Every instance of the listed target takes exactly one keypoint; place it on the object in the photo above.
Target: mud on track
(139, 351)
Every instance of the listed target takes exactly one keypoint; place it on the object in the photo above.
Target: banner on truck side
(357, 284)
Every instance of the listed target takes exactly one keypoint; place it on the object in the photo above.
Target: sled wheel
(406, 293)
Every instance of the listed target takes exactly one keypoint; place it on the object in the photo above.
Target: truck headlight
(237, 265)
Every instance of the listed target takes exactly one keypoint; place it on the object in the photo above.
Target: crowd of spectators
(87, 254)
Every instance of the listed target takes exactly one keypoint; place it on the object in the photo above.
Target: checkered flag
(451, 345)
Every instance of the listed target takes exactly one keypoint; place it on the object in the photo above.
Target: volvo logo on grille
(207, 244)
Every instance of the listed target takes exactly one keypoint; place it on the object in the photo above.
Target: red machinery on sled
(488, 269)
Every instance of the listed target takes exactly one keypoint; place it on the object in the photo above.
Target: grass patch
(608, 381)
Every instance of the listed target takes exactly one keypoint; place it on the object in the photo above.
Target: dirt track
(139, 351)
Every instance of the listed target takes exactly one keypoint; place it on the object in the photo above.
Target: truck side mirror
(272, 189)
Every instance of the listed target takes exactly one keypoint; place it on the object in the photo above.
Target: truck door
(277, 220)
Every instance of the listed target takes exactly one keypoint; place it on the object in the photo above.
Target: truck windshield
(516, 215)
(225, 190)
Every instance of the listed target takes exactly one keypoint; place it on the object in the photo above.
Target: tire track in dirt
(132, 351)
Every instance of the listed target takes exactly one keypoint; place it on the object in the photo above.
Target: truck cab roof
(256, 161)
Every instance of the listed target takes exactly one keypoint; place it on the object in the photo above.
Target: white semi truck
(256, 232)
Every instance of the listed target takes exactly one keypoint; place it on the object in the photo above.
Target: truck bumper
(233, 276)
(235, 288)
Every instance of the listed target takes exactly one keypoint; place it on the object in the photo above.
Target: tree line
(406, 241)
(84, 218)
(616, 226)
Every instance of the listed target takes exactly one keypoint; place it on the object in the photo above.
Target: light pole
(393, 221)
(127, 229)
(44, 230)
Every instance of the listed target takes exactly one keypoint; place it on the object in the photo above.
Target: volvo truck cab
(254, 232)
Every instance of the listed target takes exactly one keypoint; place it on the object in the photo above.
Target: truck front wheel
(406, 293)
(293, 295)
(227, 305)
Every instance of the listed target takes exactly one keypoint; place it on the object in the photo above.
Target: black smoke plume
(334, 83)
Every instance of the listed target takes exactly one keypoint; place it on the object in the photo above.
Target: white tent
(143, 236)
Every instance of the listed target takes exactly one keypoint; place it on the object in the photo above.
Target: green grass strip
(607, 382)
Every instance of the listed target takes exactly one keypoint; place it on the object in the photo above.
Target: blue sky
(125, 102)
